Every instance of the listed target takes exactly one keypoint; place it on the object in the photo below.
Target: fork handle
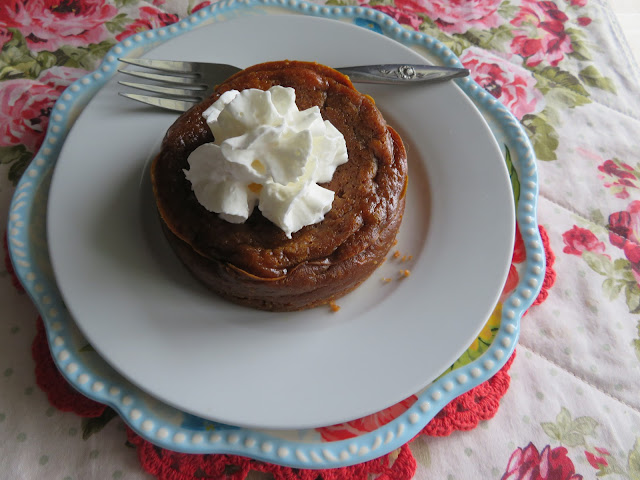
(400, 73)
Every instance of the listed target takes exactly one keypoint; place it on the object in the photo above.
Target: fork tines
(181, 88)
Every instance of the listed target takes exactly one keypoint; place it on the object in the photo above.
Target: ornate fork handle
(182, 84)
(392, 73)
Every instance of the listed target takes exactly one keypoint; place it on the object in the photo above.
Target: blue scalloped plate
(302, 447)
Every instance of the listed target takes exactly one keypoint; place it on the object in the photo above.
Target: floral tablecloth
(573, 407)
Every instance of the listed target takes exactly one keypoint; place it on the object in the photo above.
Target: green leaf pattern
(568, 431)
(619, 279)
(513, 175)
(591, 77)
(564, 83)
(542, 134)
(93, 425)
(633, 463)
(19, 63)
(621, 276)
(579, 433)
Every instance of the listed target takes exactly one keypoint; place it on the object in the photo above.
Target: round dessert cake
(255, 263)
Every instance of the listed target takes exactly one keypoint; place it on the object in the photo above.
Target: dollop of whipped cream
(266, 152)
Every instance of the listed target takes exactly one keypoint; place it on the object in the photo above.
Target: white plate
(157, 326)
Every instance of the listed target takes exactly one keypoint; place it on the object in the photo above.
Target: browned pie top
(367, 188)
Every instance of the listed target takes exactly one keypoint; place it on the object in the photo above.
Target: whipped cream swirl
(266, 152)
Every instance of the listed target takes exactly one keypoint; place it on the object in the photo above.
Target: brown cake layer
(254, 263)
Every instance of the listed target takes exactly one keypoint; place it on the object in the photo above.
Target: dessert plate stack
(130, 328)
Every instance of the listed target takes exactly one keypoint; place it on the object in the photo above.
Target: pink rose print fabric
(624, 233)
(61, 77)
(404, 12)
(50, 24)
(620, 265)
(539, 33)
(597, 460)
(619, 177)
(27, 105)
(510, 83)
(200, 6)
(459, 16)
(149, 18)
(577, 240)
(550, 464)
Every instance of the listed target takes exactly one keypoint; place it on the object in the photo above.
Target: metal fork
(188, 83)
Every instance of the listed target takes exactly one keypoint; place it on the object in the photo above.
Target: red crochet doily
(60, 394)
(550, 273)
(168, 465)
(463, 413)
(480, 403)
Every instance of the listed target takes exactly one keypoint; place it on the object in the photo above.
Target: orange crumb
(405, 273)
(410, 257)
(395, 242)
(396, 254)
(255, 187)
(333, 306)
(404, 258)
(386, 279)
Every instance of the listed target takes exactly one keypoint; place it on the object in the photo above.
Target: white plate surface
(156, 325)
